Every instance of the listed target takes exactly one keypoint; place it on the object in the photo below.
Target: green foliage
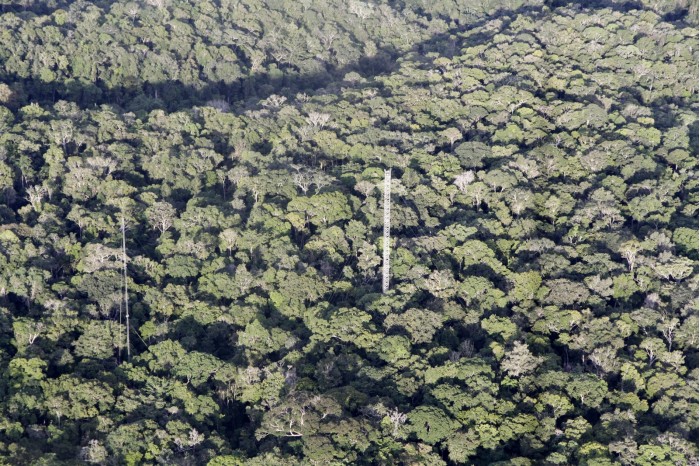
(501, 327)
(98, 341)
(430, 424)
(544, 234)
(228, 460)
(24, 372)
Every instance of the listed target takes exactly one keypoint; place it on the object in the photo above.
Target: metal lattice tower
(387, 231)
(126, 292)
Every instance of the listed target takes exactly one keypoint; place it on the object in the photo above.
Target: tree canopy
(191, 232)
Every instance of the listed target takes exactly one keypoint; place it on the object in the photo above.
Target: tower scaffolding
(387, 231)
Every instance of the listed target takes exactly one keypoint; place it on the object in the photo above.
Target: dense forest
(191, 232)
